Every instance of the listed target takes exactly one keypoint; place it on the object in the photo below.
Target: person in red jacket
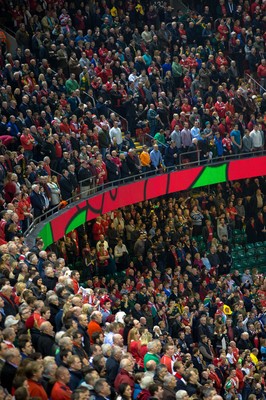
(27, 141)
(75, 276)
(60, 389)
(97, 229)
(33, 372)
(125, 374)
(215, 378)
(167, 358)
(94, 324)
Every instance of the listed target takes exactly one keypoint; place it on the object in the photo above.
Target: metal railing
(52, 170)
(124, 121)
(7, 29)
(186, 154)
(159, 143)
(142, 175)
(255, 84)
(90, 97)
(83, 186)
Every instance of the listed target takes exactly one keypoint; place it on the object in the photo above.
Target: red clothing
(36, 390)
(75, 286)
(23, 206)
(220, 108)
(261, 71)
(65, 128)
(240, 377)
(97, 230)
(166, 360)
(223, 30)
(221, 61)
(186, 108)
(124, 377)
(47, 168)
(2, 228)
(58, 149)
(93, 326)
(133, 348)
(227, 143)
(27, 141)
(61, 391)
(215, 378)
(222, 129)
(10, 190)
(187, 82)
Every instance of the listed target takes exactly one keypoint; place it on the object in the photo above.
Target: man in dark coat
(10, 367)
(66, 186)
(133, 162)
(113, 171)
(37, 201)
(112, 364)
(46, 342)
(102, 389)
(84, 178)
(82, 328)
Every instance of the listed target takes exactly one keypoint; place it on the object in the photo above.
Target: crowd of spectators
(88, 78)
(160, 318)
(140, 303)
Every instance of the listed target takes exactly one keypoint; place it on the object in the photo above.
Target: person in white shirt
(115, 132)
(257, 138)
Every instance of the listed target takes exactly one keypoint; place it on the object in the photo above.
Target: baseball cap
(11, 321)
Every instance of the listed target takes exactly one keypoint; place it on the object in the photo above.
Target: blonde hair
(146, 337)
(132, 335)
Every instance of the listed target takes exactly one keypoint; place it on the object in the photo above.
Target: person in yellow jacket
(254, 356)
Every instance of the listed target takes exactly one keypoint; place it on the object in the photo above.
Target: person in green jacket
(160, 138)
(177, 72)
(154, 349)
(71, 84)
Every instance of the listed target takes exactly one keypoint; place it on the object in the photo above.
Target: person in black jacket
(64, 162)
(113, 170)
(46, 342)
(84, 178)
(104, 139)
(10, 367)
(82, 328)
(125, 172)
(73, 177)
(112, 364)
(37, 201)
(9, 306)
(133, 162)
(48, 149)
(66, 186)
(102, 390)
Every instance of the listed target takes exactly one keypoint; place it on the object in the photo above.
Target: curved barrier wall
(76, 214)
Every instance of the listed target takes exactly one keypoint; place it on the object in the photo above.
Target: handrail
(56, 208)
(8, 30)
(159, 143)
(53, 170)
(141, 175)
(190, 152)
(109, 108)
(256, 83)
(87, 94)
(120, 116)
